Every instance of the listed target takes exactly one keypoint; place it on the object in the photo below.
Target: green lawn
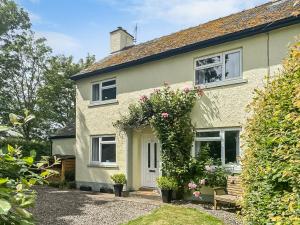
(176, 215)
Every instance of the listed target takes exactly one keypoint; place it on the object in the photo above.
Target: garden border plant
(168, 112)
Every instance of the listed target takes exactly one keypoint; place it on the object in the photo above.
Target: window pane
(213, 147)
(108, 153)
(95, 149)
(95, 92)
(202, 62)
(231, 146)
(232, 65)
(108, 94)
(108, 138)
(208, 134)
(108, 83)
(149, 154)
(208, 75)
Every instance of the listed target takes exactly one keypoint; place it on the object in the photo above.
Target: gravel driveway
(73, 207)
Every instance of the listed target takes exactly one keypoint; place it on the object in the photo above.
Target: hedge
(42, 148)
(271, 164)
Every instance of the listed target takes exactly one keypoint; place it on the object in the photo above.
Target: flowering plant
(167, 111)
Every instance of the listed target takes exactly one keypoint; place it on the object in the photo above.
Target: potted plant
(119, 180)
(167, 186)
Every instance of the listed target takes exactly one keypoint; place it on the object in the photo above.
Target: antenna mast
(135, 32)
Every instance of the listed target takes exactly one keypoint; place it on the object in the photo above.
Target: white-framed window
(219, 67)
(103, 149)
(105, 90)
(222, 144)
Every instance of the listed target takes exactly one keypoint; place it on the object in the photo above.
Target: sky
(79, 27)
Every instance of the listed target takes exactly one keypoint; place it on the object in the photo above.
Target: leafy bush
(167, 183)
(70, 175)
(41, 148)
(18, 174)
(271, 171)
(204, 171)
(119, 178)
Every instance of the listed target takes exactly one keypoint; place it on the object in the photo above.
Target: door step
(152, 194)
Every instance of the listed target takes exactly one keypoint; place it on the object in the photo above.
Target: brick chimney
(119, 39)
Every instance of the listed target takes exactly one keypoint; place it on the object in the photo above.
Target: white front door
(150, 161)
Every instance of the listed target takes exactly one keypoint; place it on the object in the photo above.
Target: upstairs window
(219, 67)
(104, 91)
(103, 150)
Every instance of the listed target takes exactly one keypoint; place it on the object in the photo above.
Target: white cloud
(188, 12)
(61, 43)
(34, 18)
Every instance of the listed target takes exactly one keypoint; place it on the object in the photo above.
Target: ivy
(168, 112)
(271, 172)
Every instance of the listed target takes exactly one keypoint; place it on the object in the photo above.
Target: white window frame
(222, 139)
(221, 63)
(100, 150)
(103, 88)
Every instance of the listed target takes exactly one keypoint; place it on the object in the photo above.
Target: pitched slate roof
(66, 132)
(263, 18)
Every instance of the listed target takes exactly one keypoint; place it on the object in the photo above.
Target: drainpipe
(268, 55)
(128, 157)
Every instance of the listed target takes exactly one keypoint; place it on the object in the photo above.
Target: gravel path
(73, 207)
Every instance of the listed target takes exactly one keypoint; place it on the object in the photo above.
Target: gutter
(61, 137)
(195, 46)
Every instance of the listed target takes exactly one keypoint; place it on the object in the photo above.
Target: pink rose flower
(165, 115)
(143, 98)
(197, 194)
(202, 182)
(186, 90)
(192, 186)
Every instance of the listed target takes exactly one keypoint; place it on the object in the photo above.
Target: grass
(176, 215)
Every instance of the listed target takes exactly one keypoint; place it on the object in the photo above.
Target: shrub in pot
(119, 180)
(167, 186)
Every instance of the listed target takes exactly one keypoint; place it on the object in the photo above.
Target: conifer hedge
(271, 164)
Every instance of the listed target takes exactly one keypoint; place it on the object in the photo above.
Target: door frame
(145, 137)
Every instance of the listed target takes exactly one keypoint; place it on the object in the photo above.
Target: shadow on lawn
(58, 206)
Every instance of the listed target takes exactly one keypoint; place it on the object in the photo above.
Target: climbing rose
(197, 194)
(143, 98)
(186, 90)
(202, 182)
(165, 115)
(192, 185)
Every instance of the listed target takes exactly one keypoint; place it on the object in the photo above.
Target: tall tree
(12, 18)
(23, 64)
(57, 96)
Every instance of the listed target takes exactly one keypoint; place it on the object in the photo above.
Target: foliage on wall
(271, 175)
(167, 111)
(18, 174)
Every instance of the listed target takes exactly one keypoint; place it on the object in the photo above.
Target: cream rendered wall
(65, 146)
(222, 106)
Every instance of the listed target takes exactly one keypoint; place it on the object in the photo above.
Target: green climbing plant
(168, 112)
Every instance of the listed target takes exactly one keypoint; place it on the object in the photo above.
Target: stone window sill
(223, 83)
(102, 103)
(98, 165)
